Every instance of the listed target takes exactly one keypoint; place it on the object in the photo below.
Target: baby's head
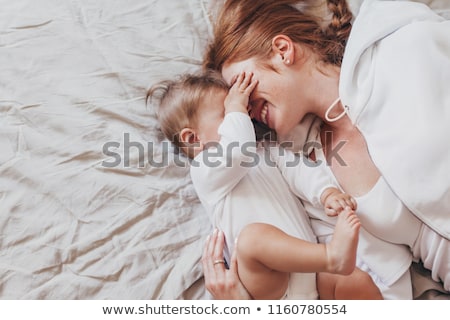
(191, 109)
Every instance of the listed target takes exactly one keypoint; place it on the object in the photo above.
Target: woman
(384, 107)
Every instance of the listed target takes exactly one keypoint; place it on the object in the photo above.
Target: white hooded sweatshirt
(395, 79)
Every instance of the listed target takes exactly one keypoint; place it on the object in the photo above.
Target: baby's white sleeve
(216, 170)
(306, 178)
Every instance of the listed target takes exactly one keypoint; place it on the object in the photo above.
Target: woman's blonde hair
(179, 101)
(245, 29)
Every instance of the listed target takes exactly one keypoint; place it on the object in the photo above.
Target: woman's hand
(222, 283)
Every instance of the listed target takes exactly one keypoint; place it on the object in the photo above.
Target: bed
(92, 203)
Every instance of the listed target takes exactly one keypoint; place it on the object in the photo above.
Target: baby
(246, 189)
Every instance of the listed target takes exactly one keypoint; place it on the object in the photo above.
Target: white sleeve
(306, 178)
(216, 170)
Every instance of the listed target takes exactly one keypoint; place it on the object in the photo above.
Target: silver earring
(288, 61)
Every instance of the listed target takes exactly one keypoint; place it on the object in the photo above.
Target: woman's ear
(283, 49)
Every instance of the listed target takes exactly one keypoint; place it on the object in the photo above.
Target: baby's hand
(334, 201)
(238, 96)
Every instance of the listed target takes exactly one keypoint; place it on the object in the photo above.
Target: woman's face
(276, 100)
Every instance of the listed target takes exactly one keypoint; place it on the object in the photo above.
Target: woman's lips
(264, 113)
(261, 113)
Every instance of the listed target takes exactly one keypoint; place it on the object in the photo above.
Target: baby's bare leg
(266, 255)
(260, 280)
(356, 286)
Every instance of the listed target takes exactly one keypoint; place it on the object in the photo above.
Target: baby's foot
(341, 250)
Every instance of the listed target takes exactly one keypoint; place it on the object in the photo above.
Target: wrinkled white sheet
(73, 77)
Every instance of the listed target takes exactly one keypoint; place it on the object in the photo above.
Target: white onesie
(239, 184)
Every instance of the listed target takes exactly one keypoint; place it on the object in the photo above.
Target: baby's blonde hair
(179, 101)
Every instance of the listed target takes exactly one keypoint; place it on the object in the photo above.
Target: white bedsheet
(73, 77)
